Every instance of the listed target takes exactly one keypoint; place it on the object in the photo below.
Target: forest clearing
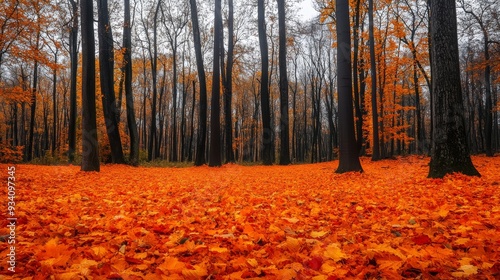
(273, 222)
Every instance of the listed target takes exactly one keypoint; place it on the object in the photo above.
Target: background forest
(41, 81)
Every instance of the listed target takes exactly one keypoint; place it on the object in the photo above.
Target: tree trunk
(54, 107)
(348, 148)
(90, 145)
(33, 105)
(106, 70)
(228, 85)
(267, 133)
(154, 62)
(284, 119)
(357, 94)
(191, 136)
(450, 151)
(215, 141)
(202, 113)
(373, 69)
(127, 57)
(73, 53)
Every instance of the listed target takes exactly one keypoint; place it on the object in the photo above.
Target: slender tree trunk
(228, 85)
(90, 149)
(348, 148)
(450, 152)
(191, 136)
(267, 133)
(373, 69)
(73, 52)
(33, 104)
(106, 67)
(284, 119)
(54, 107)
(202, 113)
(215, 141)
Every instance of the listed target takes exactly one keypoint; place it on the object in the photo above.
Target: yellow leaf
(334, 252)
(218, 250)
(172, 264)
(286, 274)
(359, 208)
(292, 244)
(196, 273)
(318, 234)
(443, 213)
(291, 220)
(252, 262)
(142, 267)
(141, 256)
(99, 252)
(465, 271)
(327, 268)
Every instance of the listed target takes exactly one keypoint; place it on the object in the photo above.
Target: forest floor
(274, 222)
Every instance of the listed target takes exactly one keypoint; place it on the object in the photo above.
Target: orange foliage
(292, 222)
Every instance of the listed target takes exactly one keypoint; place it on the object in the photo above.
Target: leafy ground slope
(293, 222)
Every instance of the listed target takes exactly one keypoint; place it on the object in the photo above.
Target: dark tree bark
(215, 141)
(54, 106)
(73, 53)
(358, 104)
(153, 55)
(348, 148)
(106, 70)
(191, 136)
(127, 57)
(450, 151)
(228, 85)
(202, 113)
(90, 145)
(29, 153)
(373, 70)
(284, 119)
(267, 133)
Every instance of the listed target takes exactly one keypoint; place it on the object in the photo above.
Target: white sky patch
(306, 10)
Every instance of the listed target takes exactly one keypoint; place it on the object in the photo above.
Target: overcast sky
(307, 9)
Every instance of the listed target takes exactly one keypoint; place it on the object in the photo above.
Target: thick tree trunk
(215, 141)
(73, 53)
(154, 62)
(90, 149)
(355, 71)
(267, 133)
(348, 148)
(106, 70)
(202, 113)
(284, 119)
(450, 151)
(127, 57)
(228, 86)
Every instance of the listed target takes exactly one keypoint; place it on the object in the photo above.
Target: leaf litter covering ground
(293, 222)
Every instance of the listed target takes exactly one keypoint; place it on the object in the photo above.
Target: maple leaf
(171, 264)
(197, 272)
(99, 252)
(465, 271)
(421, 239)
(334, 252)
